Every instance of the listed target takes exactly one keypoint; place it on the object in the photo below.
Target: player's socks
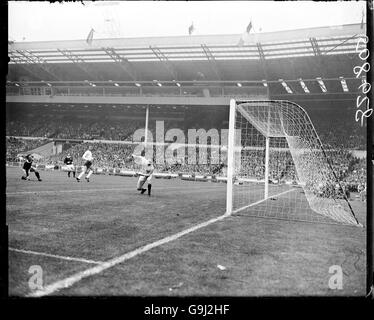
(143, 190)
(69, 174)
(80, 175)
(89, 174)
(73, 174)
(38, 176)
(149, 189)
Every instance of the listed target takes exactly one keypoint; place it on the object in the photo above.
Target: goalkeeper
(146, 173)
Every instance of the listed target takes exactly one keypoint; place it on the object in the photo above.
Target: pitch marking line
(63, 191)
(86, 190)
(253, 204)
(55, 256)
(69, 281)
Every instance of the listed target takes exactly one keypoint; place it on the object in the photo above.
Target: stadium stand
(62, 123)
(15, 146)
(65, 122)
(39, 106)
(349, 169)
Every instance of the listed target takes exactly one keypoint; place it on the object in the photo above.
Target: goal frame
(231, 151)
(230, 158)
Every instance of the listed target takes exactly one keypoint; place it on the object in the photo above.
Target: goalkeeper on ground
(145, 174)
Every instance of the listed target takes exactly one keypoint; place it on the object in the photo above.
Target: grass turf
(107, 217)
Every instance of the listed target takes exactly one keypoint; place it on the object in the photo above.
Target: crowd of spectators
(83, 129)
(348, 174)
(341, 131)
(339, 138)
(345, 133)
(349, 170)
(15, 146)
(106, 155)
(118, 155)
(71, 128)
(355, 178)
(115, 155)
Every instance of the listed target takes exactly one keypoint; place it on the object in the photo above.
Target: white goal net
(277, 167)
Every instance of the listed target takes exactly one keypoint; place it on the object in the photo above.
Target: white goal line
(262, 200)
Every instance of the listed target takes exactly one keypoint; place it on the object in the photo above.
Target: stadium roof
(303, 55)
(293, 43)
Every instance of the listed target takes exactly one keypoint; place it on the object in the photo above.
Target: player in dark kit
(218, 168)
(69, 165)
(28, 167)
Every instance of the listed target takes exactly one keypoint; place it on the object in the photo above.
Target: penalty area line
(55, 256)
(70, 281)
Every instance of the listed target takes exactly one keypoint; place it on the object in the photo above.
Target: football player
(146, 173)
(69, 165)
(28, 167)
(87, 156)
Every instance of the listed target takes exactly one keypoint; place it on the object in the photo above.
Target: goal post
(277, 167)
(230, 157)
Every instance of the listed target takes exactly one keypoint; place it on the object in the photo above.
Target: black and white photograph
(188, 149)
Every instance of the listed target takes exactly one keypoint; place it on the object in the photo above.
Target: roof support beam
(83, 65)
(264, 66)
(169, 66)
(124, 63)
(263, 60)
(212, 61)
(30, 58)
(322, 66)
(294, 86)
(315, 46)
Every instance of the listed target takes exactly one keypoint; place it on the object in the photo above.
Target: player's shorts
(142, 180)
(70, 167)
(88, 164)
(31, 169)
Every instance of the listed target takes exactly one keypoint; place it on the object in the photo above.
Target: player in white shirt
(87, 156)
(145, 174)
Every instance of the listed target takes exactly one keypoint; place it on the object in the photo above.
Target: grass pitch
(68, 227)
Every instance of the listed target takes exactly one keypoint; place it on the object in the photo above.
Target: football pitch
(104, 238)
